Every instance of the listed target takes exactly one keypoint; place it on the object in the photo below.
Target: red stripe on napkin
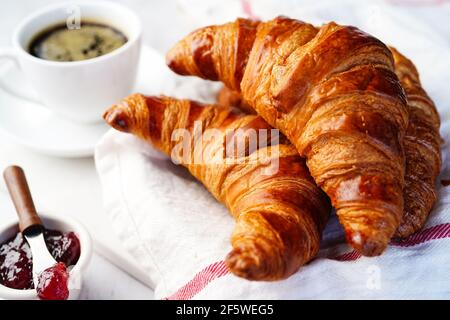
(219, 269)
(200, 280)
(437, 232)
(349, 256)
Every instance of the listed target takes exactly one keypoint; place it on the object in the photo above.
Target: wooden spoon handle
(20, 194)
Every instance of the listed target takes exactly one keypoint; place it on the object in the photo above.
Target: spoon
(30, 225)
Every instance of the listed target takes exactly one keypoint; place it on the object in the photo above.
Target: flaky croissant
(279, 211)
(422, 146)
(333, 92)
(227, 97)
(230, 98)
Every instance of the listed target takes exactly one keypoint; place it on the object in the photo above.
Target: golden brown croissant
(421, 145)
(422, 149)
(279, 211)
(333, 92)
(230, 98)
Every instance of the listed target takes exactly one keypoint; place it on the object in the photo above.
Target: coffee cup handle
(11, 54)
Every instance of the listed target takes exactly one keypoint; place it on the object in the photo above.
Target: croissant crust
(279, 211)
(333, 93)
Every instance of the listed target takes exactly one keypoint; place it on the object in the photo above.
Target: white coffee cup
(80, 90)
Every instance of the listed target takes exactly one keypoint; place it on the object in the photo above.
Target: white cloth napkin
(179, 234)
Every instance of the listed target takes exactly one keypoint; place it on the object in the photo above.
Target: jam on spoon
(50, 274)
(53, 283)
(16, 260)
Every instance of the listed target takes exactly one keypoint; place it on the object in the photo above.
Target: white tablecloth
(179, 234)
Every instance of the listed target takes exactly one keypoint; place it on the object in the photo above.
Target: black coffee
(58, 43)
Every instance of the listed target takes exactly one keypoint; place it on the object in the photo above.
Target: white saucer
(30, 124)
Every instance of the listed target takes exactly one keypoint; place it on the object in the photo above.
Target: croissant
(333, 93)
(229, 98)
(421, 145)
(422, 149)
(279, 211)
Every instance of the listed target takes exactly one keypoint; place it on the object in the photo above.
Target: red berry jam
(16, 261)
(52, 283)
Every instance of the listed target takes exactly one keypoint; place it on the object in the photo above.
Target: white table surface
(71, 185)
